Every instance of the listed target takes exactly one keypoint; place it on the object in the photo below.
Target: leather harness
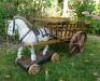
(34, 30)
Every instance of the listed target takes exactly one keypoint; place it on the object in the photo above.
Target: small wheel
(34, 69)
(55, 58)
(77, 42)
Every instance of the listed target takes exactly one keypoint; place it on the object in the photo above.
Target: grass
(83, 67)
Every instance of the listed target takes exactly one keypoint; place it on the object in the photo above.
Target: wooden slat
(61, 28)
(53, 41)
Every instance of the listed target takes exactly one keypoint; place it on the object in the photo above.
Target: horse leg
(19, 52)
(45, 50)
(33, 55)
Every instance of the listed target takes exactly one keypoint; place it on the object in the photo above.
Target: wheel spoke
(73, 49)
(77, 42)
(79, 37)
(82, 41)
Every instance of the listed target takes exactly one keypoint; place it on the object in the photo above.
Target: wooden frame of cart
(65, 30)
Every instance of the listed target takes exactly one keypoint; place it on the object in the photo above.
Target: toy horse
(27, 36)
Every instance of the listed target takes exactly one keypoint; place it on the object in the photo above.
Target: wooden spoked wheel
(34, 69)
(55, 58)
(77, 42)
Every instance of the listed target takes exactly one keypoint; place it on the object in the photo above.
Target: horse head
(12, 27)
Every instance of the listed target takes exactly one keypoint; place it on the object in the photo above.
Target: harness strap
(20, 40)
(43, 35)
(13, 25)
(46, 32)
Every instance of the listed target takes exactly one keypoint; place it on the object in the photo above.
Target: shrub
(6, 11)
(3, 15)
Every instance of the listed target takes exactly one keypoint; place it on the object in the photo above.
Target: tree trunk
(55, 6)
(66, 12)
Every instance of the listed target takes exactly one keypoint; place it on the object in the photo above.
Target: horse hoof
(55, 58)
(16, 60)
(34, 69)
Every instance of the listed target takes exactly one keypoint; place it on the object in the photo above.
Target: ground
(81, 67)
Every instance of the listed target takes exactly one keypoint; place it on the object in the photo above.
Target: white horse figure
(27, 36)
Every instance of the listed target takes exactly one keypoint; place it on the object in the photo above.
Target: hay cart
(64, 30)
(61, 30)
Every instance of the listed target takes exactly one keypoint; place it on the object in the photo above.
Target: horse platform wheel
(33, 68)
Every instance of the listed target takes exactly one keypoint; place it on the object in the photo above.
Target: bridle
(13, 25)
(20, 40)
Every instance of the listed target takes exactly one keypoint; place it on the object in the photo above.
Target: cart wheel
(34, 69)
(77, 42)
(55, 58)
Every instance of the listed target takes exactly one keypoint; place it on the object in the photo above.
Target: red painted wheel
(77, 42)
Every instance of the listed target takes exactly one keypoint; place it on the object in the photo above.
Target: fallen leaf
(86, 61)
(98, 79)
(7, 76)
(61, 80)
(92, 54)
(95, 74)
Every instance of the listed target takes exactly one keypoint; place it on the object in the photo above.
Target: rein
(13, 25)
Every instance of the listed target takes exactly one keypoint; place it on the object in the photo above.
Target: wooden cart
(64, 30)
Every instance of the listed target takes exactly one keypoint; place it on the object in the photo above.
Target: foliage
(33, 7)
(82, 5)
(95, 27)
(7, 10)
(3, 15)
(87, 5)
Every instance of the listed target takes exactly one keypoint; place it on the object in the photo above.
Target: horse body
(30, 38)
(27, 36)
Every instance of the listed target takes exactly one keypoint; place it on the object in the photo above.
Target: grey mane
(24, 19)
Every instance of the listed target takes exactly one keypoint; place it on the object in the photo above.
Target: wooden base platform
(34, 67)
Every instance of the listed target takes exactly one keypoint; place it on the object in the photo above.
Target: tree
(66, 9)
(55, 6)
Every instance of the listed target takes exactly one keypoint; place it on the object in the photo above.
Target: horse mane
(24, 19)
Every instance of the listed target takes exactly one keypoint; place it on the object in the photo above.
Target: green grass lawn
(83, 67)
